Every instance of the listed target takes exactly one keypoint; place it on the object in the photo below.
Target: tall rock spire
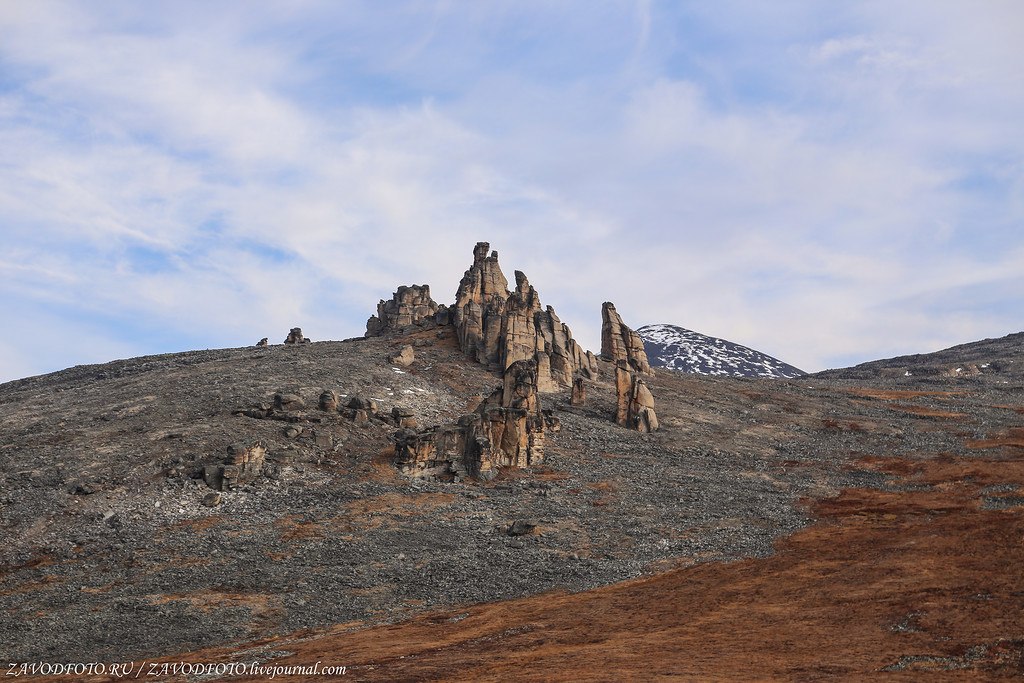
(620, 344)
(497, 327)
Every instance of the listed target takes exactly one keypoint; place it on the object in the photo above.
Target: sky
(828, 183)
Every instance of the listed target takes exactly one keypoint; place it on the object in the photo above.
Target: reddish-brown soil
(922, 580)
(885, 585)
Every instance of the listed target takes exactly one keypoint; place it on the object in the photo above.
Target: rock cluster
(295, 337)
(409, 306)
(506, 430)
(497, 327)
(634, 402)
(494, 326)
(241, 466)
(621, 344)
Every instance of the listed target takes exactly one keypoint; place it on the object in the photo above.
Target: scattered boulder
(262, 342)
(360, 409)
(212, 499)
(409, 306)
(293, 431)
(620, 344)
(404, 357)
(288, 402)
(521, 527)
(241, 466)
(329, 401)
(634, 402)
(362, 403)
(295, 337)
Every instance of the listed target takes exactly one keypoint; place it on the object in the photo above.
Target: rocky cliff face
(620, 344)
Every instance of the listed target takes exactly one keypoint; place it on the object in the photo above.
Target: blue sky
(826, 182)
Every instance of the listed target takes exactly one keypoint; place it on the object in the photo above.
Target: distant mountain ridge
(998, 356)
(677, 348)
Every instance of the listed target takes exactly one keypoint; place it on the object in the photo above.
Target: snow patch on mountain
(676, 348)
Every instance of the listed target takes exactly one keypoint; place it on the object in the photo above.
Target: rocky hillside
(468, 495)
(986, 357)
(676, 348)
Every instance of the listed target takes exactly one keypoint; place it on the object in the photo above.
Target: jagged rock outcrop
(479, 307)
(409, 306)
(241, 466)
(634, 402)
(619, 343)
(497, 327)
(506, 430)
(295, 337)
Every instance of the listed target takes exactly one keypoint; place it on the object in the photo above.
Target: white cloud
(814, 192)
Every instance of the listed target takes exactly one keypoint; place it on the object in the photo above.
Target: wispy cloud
(828, 186)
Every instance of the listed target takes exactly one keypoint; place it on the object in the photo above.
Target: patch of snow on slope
(676, 348)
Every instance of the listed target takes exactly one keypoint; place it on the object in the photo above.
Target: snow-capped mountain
(676, 348)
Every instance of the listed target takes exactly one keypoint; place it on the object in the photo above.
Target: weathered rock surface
(634, 402)
(579, 392)
(403, 357)
(506, 430)
(409, 306)
(619, 343)
(498, 328)
(241, 466)
(295, 337)
(479, 308)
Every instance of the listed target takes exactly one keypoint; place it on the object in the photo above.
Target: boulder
(403, 357)
(262, 342)
(621, 344)
(329, 401)
(295, 337)
(288, 402)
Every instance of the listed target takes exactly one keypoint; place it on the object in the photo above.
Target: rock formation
(329, 401)
(480, 307)
(619, 343)
(506, 430)
(295, 337)
(241, 466)
(262, 342)
(634, 402)
(404, 356)
(497, 328)
(409, 306)
(579, 392)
